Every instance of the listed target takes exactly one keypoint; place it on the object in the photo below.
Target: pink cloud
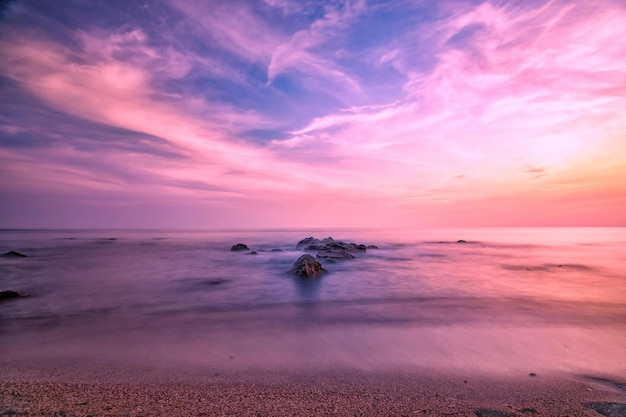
(119, 93)
(296, 54)
(508, 98)
(234, 27)
(519, 120)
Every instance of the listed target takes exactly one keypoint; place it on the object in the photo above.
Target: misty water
(507, 300)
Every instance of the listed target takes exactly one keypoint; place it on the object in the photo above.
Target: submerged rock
(239, 247)
(337, 254)
(307, 266)
(461, 241)
(13, 254)
(9, 294)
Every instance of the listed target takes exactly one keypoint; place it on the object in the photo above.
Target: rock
(311, 243)
(372, 247)
(239, 247)
(13, 254)
(461, 241)
(330, 249)
(609, 409)
(252, 253)
(314, 247)
(277, 250)
(8, 295)
(334, 255)
(306, 242)
(307, 266)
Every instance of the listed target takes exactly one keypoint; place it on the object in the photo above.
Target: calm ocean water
(508, 299)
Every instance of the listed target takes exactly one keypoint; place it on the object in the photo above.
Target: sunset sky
(285, 113)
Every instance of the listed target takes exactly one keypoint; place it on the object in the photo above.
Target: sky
(303, 113)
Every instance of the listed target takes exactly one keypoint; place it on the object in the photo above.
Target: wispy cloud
(500, 96)
(95, 85)
(304, 54)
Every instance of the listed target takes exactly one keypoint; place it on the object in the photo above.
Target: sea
(514, 301)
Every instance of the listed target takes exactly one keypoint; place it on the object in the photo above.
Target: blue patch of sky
(464, 37)
(86, 14)
(304, 103)
(29, 123)
(264, 135)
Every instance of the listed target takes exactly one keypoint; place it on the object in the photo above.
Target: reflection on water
(423, 298)
(308, 288)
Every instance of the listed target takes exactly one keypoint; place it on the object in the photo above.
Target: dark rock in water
(461, 241)
(307, 266)
(313, 243)
(335, 254)
(306, 242)
(330, 249)
(215, 282)
(609, 409)
(483, 412)
(277, 250)
(372, 247)
(252, 253)
(239, 247)
(9, 294)
(13, 254)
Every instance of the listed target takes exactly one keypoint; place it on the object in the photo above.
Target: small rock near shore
(13, 254)
(9, 294)
(239, 247)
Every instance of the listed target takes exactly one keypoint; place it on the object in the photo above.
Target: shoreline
(53, 388)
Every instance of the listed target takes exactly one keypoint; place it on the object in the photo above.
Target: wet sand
(106, 389)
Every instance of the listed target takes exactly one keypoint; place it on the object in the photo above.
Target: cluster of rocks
(332, 250)
(328, 250)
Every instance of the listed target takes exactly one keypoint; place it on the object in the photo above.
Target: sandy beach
(62, 389)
